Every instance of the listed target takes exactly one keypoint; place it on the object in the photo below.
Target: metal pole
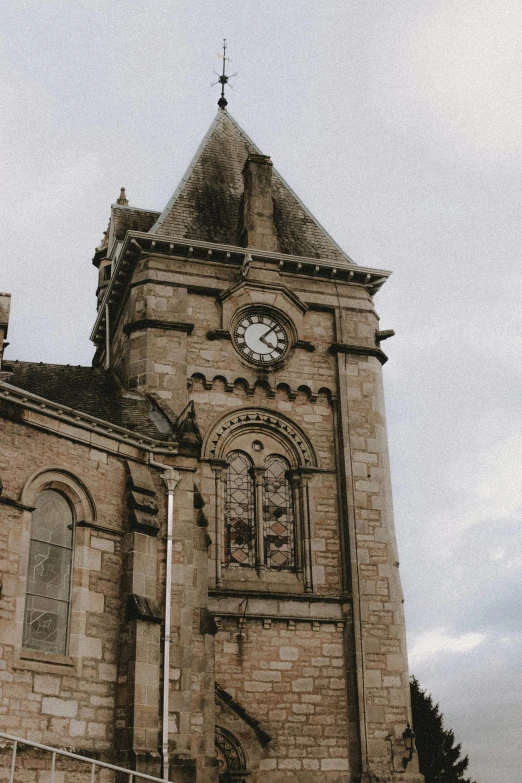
(107, 339)
(53, 765)
(171, 478)
(166, 653)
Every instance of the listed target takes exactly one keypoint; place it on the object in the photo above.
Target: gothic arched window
(278, 517)
(263, 466)
(231, 758)
(259, 518)
(49, 574)
(239, 511)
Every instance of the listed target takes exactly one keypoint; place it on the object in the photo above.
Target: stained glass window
(239, 511)
(277, 515)
(49, 574)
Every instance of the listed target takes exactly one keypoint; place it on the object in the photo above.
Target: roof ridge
(206, 138)
(135, 209)
(19, 362)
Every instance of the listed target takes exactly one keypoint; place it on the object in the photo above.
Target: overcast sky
(399, 124)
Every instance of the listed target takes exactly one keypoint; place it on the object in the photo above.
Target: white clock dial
(260, 338)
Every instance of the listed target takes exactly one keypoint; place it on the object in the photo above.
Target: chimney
(5, 305)
(258, 209)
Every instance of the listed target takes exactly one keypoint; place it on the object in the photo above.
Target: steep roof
(125, 218)
(207, 204)
(89, 390)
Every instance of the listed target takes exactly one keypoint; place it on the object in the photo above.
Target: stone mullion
(218, 467)
(259, 518)
(295, 484)
(307, 539)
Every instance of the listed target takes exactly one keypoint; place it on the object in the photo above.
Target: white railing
(133, 775)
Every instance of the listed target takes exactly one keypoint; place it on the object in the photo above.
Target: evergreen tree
(439, 760)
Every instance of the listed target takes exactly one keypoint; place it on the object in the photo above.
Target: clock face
(260, 338)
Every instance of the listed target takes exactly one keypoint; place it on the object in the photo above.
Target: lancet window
(239, 511)
(263, 465)
(278, 516)
(259, 519)
(49, 574)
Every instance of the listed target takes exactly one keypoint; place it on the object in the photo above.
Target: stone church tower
(218, 597)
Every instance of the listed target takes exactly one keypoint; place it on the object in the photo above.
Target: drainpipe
(171, 478)
(107, 339)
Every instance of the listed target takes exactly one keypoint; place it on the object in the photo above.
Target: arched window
(49, 574)
(265, 456)
(278, 517)
(239, 511)
(231, 758)
(259, 518)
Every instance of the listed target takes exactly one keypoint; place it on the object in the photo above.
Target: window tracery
(259, 518)
(239, 511)
(231, 758)
(269, 530)
(278, 517)
(48, 593)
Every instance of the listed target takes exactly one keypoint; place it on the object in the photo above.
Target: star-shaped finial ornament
(222, 77)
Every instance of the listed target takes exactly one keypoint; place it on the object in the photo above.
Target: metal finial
(222, 77)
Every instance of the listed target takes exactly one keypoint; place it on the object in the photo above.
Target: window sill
(266, 581)
(44, 662)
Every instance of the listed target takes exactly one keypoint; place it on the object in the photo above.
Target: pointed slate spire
(208, 204)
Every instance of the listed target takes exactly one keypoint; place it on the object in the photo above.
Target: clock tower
(253, 333)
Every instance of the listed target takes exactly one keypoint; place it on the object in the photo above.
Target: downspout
(107, 339)
(171, 478)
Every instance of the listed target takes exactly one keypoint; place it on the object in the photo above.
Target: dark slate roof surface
(125, 219)
(207, 205)
(89, 390)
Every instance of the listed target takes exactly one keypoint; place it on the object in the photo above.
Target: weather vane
(222, 77)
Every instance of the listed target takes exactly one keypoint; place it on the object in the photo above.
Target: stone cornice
(102, 435)
(136, 243)
(152, 323)
(362, 350)
(282, 606)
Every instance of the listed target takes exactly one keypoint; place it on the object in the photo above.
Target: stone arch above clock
(267, 295)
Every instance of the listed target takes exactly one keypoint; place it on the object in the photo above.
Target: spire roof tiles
(207, 204)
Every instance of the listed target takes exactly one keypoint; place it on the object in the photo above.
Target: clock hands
(265, 341)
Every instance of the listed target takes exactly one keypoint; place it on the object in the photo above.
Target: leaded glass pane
(49, 574)
(278, 516)
(239, 511)
(52, 519)
(49, 571)
(45, 626)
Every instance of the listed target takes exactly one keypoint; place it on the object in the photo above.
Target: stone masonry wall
(334, 394)
(291, 677)
(61, 700)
